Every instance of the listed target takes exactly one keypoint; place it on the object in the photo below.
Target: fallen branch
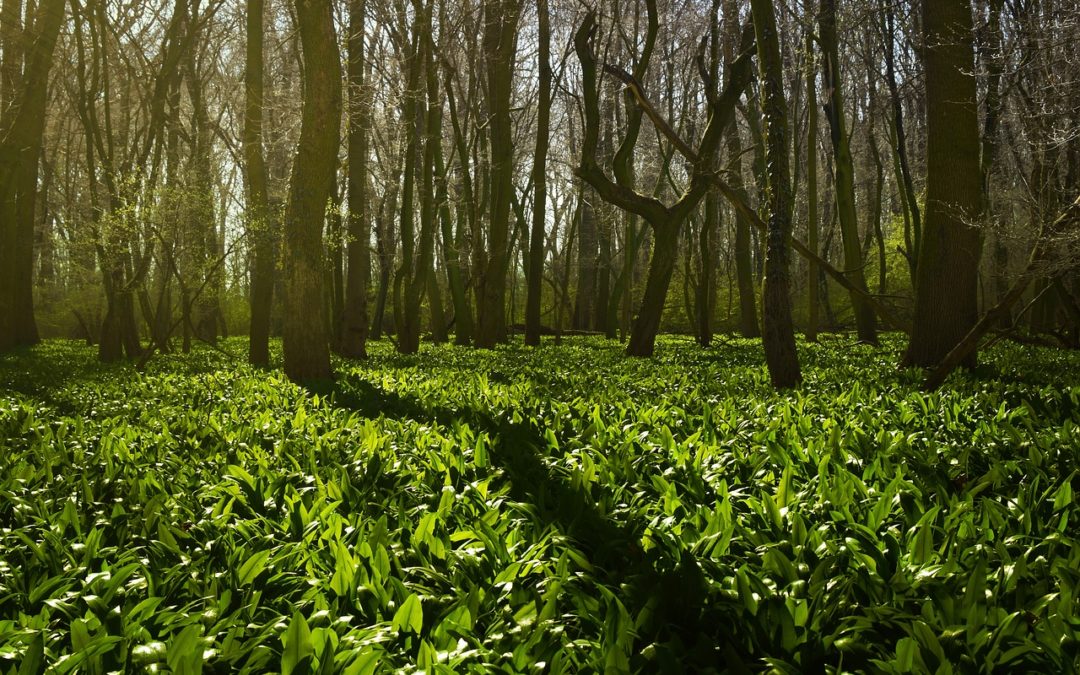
(1040, 256)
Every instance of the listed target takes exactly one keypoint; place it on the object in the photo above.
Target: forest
(568, 336)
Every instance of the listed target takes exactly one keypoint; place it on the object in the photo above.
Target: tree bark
(585, 296)
(706, 289)
(539, 215)
(260, 220)
(744, 259)
(457, 261)
(865, 323)
(23, 125)
(421, 131)
(899, 138)
(354, 316)
(305, 339)
(500, 33)
(946, 282)
(812, 272)
(666, 221)
(661, 266)
(779, 334)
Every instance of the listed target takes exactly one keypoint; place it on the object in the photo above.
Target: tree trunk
(433, 120)
(623, 167)
(451, 246)
(305, 340)
(779, 334)
(22, 130)
(335, 270)
(586, 267)
(384, 247)
(199, 209)
(899, 137)
(665, 221)
(744, 262)
(865, 323)
(457, 260)
(539, 215)
(813, 283)
(661, 266)
(706, 289)
(437, 318)
(415, 267)
(354, 318)
(500, 32)
(260, 221)
(1038, 261)
(946, 283)
(875, 209)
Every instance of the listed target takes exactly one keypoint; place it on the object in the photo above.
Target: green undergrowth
(560, 510)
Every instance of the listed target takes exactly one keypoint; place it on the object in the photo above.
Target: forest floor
(564, 509)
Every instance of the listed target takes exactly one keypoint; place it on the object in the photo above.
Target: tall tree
(744, 264)
(779, 334)
(305, 337)
(812, 272)
(666, 221)
(539, 214)
(21, 128)
(705, 296)
(455, 240)
(354, 319)
(865, 323)
(260, 221)
(411, 278)
(500, 34)
(946, 280)
(898, 134)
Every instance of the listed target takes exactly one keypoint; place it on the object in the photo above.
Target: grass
(555, 510)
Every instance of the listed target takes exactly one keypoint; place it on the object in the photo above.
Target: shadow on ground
(664, 591)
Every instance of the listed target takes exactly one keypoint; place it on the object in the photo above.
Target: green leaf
(480, 452)
(783, 491)
(298, 647)
(33, 661)
(185, 651)
(1064, 497)
(906, 652)
(366, 663)
(80, 636)
(252, 567)
(745, 592)
(410, 616)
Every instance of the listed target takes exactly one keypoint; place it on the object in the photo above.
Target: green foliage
(563, 509)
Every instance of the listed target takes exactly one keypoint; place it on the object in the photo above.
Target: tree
(21, 129)
(261, 226)
(666, 221)
(305, 338)
(422, 126)
(354, 319)
(744, 267)
(778, 336)
(844, 168)
(539, 215)
(500, 30)
(812, 272)
(906, 186)
(946, 280)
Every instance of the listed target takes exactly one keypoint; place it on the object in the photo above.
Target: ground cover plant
(564, 509)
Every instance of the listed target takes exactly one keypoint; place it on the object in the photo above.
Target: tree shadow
(49, 367)
(664, 591)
